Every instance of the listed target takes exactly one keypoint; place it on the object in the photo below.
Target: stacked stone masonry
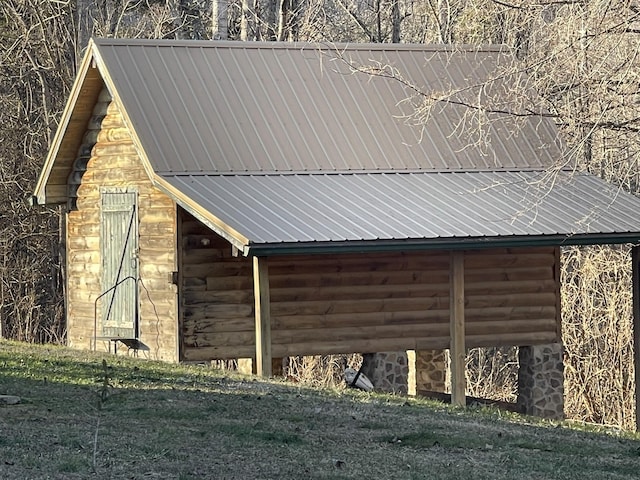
(427, 371)
(541, 381)
(540, 376)
(388, 371)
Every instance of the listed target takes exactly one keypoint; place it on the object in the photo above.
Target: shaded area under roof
(302, 210)
(231, 107)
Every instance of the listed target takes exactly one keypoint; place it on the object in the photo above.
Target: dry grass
(325, 371)
(598, 335)
(187, 422)
(492, 373)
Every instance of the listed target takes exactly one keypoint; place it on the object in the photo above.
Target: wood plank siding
(115, 166)
(362, 303)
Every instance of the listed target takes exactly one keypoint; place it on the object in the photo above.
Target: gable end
(70, 137)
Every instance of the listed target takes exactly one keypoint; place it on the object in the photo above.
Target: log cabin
(263, 200)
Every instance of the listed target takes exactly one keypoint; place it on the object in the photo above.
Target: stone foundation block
(388, 371)
(427, 371)
(541, 381)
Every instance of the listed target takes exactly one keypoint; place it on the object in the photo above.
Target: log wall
(114, 162)
(363, 303)
(216, 300)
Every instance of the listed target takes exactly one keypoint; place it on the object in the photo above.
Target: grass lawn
(135, 419)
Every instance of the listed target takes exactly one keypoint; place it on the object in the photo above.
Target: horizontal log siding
(115, 163)
(362, 303)
(217, 296)
(57, 190)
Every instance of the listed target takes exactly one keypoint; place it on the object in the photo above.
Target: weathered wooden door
(119, 248)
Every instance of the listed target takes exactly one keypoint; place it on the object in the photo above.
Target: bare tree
(41, 43)
(219, 19)
(445, 13)
(37, 67)
(246, 17)
(288, 21)
(184, 19)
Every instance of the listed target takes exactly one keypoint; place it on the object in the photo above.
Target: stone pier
(388, 371)
(427, 371)
(541, 381)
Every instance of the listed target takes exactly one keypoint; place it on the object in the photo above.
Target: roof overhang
(204, 215)
(349, 211)
(52, 185)
(366, 212)
(455, 243)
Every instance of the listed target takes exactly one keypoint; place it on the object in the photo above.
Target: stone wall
(541, 381)
(388, 371)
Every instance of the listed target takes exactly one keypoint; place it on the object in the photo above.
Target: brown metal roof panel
(274, 209)
(550, 199)
(341, 193)
(423, 196)
(610, 204)
(323, 142)
(505, 204)
(220, 107)
(271, 112)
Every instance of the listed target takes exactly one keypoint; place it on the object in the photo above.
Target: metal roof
(283, 147)
(216, 107)
(302, 210)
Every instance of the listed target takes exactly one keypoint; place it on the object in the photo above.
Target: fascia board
(226, 231)
(460, 243)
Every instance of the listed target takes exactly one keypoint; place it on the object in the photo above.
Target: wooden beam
(457, 347)
(558, 281)
(262, 316)
(635, 269)
(179, 212)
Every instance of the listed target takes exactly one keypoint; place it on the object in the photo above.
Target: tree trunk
(444, 21)
(395, 21)
(85, 13)
(287, 21)
(270, 20)
(379, 20)
(219, 20)
(244, 20)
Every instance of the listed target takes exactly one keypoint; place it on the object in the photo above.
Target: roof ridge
(350, 46)
(346, 172)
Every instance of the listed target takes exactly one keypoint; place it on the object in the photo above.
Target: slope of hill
(86, 415)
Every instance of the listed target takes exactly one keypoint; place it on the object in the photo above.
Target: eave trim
(440, 244)
(206, 217)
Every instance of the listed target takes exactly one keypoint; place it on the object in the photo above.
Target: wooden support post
(635, 274)
(457, 347)
(262, 316)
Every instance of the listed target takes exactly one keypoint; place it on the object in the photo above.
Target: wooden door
(119, 249)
